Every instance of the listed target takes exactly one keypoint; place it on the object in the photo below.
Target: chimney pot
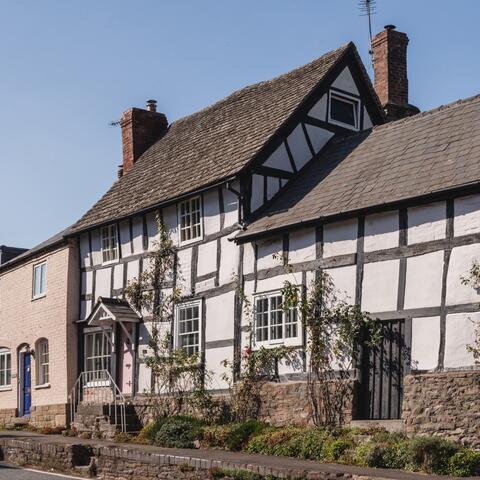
(390, 68)
(152, 105)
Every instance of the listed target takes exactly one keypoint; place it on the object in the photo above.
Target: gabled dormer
(342, 103)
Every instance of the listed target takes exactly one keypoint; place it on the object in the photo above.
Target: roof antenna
(367, 9)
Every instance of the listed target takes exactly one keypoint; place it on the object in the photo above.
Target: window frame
(200, 223)
(343, 97)
(6, 373)
(112, 227)
(38, 267)
(283, 340)
(42, 366)
(106, 342)
(176, 330)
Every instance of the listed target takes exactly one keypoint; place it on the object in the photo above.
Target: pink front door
(126, 355)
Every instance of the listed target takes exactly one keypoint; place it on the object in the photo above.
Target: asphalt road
(10, 472)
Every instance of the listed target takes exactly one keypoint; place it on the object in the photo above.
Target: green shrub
(149, 432)
(232, 436)
(178, 432)
(382, 454)
(430, 454)
(335, 449)
(313, 440)
(274, 441)
(465, 463)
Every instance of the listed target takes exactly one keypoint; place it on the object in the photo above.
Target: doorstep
(389, 425)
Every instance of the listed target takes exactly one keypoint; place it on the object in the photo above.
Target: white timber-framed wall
(210, 269)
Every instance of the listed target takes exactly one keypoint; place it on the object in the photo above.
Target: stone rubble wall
(112, 462)
(7, 415)
(444, 404)
(50, 415)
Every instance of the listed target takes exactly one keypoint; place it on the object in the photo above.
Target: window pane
(342, 111)
(43, 277)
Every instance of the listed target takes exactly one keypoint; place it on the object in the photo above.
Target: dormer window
(190, 219)
(343, 111)
(109, 243)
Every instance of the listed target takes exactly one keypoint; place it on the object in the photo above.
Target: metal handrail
(98, 388)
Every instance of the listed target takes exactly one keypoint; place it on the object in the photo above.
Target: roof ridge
(261, 83)
(433, 111)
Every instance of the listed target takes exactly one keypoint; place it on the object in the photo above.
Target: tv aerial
(367, 9)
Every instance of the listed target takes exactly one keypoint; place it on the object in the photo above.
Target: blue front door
(27, 384)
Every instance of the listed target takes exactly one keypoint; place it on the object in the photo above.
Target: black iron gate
(382, 371)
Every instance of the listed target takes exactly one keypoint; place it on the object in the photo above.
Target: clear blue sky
(68, 68)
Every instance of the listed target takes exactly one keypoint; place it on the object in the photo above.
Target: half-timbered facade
(303, 167)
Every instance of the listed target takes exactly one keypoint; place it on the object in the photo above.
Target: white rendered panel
(275, 283)
(228, 261)
(211, 212)
(319, 110)
(137, 228)
(367, 121)
(152, 230)
(132, 270)
(214, 358)
(461, 260)
(318, 136)
(423, 287)
(248, 258)
(220, 317)
(460, 332)
(230, 205)
(467, 215)
(87, 283)
(279, 159)
(266, 251)
(184, 270)
(346, 82)
(257, 191)
(425, 343)
(301, 246)
(103, 281)
(340, 238)
(344, 279)
(207, 258)
(118, 276)
(84, 250)
(124, 231)
(272, 187)
(299, 147)
(381, 231)
(96, 247)
(380, 286)
(427, 222)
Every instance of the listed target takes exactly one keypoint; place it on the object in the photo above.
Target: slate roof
(431, 152)
(120, 308)
(41, 247)
(211, 145)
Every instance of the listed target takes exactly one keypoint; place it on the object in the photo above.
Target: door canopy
(108, 311)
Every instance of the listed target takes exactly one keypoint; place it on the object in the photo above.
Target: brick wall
(23, 321)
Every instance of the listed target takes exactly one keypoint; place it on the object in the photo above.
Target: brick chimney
(390, 67)
(140, 129)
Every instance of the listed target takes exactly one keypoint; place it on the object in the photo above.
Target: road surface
(10, 472)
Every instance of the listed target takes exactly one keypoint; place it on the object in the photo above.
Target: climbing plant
(257, 367)
(335, 332)
(178, 378)
(472, 278)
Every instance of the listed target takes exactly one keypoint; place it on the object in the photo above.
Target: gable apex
(346, 82)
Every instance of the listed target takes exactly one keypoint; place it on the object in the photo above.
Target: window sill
(39, 297)
(187, 243)
(40, 387)
(110, 262)
(7, 388)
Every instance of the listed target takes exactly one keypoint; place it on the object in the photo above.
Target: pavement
(11, 472)
(226, 456)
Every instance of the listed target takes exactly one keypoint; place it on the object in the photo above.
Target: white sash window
(5, 368)
(109, 243)
(190, 219)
